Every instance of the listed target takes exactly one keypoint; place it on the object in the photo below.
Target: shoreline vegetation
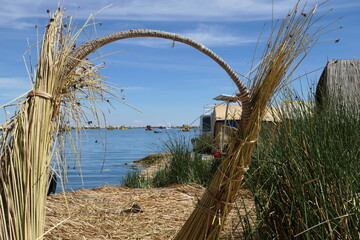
(160, 211)
(178, 165)
(303, 180)
(305, 174)
(315, 171)
(151, 159)
(3, 127)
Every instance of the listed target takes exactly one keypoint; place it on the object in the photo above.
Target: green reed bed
(135, 180)
(305, 176)
(203, 143)
(184, 166)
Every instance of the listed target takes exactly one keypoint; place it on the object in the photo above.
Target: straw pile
(108, 213)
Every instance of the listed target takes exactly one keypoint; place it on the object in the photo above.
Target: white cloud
(12, 13)
(215, 36)
(197, 10)
(207, 34)
(14, 83)
(156, 10)
(150, 42)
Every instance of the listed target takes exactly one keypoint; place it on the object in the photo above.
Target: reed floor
(112, 212)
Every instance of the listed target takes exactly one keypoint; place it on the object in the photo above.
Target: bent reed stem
(87, 48)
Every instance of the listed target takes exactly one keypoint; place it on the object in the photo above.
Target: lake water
(118, 147)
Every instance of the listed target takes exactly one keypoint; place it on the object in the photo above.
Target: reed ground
(103, 213)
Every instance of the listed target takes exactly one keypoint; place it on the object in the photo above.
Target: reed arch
(27, 144)
(89, 47)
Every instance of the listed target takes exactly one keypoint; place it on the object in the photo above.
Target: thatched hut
(225, 120)
(340, 81)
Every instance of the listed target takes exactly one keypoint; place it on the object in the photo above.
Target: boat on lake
(185, 128)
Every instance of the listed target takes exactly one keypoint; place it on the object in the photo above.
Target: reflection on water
(117, 147)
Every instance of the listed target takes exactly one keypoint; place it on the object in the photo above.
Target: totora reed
(67, 87)
(34, 135)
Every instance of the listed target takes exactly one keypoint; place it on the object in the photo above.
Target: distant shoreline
(150, 159)
(128, 127)
(3, 127)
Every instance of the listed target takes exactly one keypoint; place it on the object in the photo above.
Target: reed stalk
(28, 145)
(285, 51)
(305, 179)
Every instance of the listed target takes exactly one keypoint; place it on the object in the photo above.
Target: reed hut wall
(218, 118)
(225, 126)
(339, 83)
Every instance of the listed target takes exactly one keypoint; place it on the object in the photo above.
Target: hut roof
(234, 113)
(340, 80)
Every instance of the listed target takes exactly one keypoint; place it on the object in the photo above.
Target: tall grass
(184, 166)
(134, 180)
(203, 143)
(305, 176)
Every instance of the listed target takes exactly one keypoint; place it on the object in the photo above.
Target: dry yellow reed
(285, 49)
(28, 145)
(99, 213)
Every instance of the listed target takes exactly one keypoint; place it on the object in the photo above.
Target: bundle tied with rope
(33, 138)
(36, 93)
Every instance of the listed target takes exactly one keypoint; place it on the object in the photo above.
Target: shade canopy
(226, 98)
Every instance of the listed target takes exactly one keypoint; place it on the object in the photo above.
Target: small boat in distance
(148, 128)
(185, 128)
(123, 127)
(157, 131)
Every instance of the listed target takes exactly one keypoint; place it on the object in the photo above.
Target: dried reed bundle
(28, 145)
(286, 48)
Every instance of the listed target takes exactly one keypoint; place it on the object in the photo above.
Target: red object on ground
(217, 154)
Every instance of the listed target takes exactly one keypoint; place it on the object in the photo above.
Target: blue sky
(170, 85)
